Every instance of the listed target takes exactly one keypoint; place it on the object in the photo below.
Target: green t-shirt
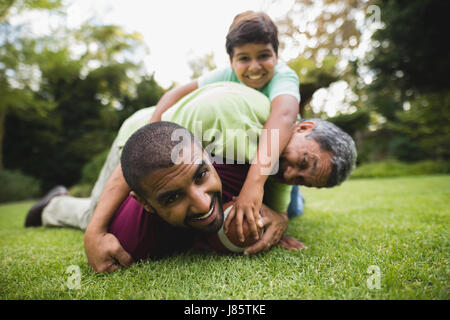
(284, 81)
(220, 115)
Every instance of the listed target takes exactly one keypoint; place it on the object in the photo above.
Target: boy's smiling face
(254, 63)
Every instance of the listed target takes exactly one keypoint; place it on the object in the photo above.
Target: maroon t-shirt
(145, 235)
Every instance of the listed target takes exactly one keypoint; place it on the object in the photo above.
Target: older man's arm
(103, 249)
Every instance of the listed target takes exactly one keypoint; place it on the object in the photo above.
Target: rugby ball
(230, 240)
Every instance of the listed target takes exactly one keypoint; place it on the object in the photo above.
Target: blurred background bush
(14, 186)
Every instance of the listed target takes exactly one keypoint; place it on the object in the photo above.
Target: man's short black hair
(151, 148)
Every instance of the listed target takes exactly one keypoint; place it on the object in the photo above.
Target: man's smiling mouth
(206, 215)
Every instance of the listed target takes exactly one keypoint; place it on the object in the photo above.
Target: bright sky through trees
(175, 31)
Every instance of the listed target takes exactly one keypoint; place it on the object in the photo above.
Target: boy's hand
(247, 204)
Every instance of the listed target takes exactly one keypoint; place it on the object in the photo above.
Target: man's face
(254, 63)
(187, 194)
(303, 162)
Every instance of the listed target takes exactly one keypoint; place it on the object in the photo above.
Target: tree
(17, 61)
(312, 77)
(74, 103)
(321, 28)
(326, 35)
(411, 85)
(200, 65)
(18, 80)
(410, 51)
(7, 6)
(426, 125)
(148, 93)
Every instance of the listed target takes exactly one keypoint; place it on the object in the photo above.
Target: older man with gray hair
(329, 138)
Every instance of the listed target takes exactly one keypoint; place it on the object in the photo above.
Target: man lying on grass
(318, 154)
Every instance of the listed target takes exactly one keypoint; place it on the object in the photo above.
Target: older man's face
(303, 162)
(187, 194)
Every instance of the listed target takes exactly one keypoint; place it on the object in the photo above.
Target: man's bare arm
(103, 249)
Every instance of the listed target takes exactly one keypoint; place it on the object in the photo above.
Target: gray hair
(333, 139)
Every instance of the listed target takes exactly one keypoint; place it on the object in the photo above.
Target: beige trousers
(67, 211)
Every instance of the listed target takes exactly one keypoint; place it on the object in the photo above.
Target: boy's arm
(284, 110)
(103, 249)
(171, 97)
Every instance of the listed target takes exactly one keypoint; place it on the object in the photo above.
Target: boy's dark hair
(251, 27)
(149, 149)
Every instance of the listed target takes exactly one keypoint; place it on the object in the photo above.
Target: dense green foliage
(411, 85)
(414, 56)
(60, 109)
(15, 186)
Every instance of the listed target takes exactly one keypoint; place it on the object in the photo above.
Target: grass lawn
(398, 225)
